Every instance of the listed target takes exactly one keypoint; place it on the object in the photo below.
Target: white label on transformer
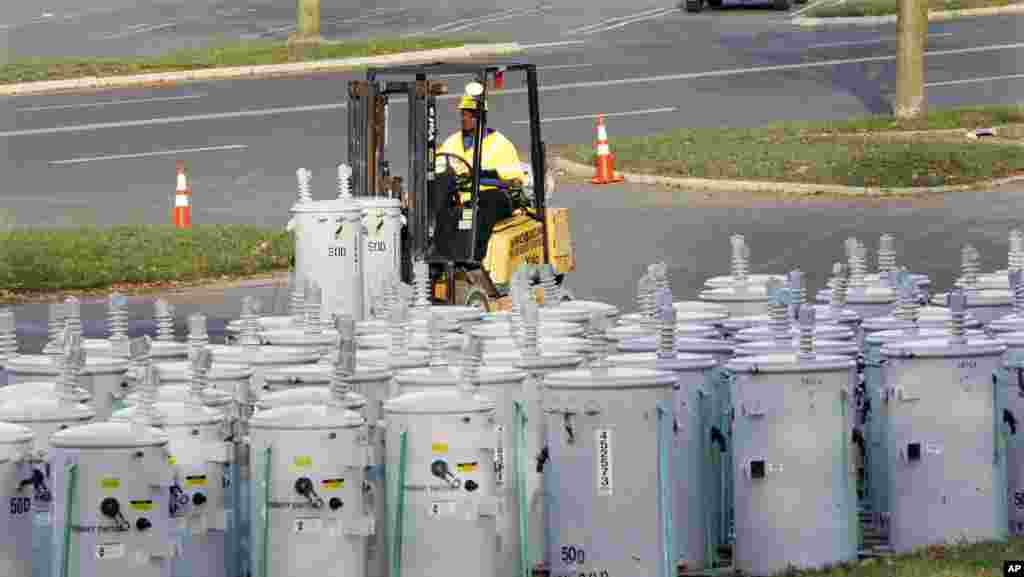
(308, 525)
(110, 551)
(933, 448)
(441, 509)
(604, 462)
(499, 457)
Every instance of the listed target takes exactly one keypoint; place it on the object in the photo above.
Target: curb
(936, 16)
(801, 188)
(464, 52)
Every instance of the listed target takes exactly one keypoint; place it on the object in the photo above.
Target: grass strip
(863, 151)
(956, 560)
(226, 54)
(861, 8)
(55, 259)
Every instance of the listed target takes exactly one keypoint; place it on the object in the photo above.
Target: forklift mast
(367, 142)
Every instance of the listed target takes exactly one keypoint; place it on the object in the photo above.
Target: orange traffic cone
(182, 200)
(605, 159)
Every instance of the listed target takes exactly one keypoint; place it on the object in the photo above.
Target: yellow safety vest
(498, 154)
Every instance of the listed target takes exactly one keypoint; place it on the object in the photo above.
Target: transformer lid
(444, 401)
(320, 374)
(821, 346)
(729, 280)
(12, 434)
(178, 393)
(378, 202)
(561, 313)
(262, 355)
(613, 377)
(380, 326)
(871, 294)
(746, 322)
(981, 298)
(382, 359)
(158, 349)
(45, 365)
(923, 333)
(1010, 323)
(678, 362)
(334, 205)
(298, 338)
(44, 409)
(548, 328)
(547, 344)
(685, 330)
(449, 376)
(590, 307)
(308, 396)
(683, 317)
(419, 341)
(824, 313)
(701, 307)
(545, 361)
(452, 313)
(29, 389)
(264, 323)
(175, 414)
(821, 330)
(109, 435)
(941, 347)
(683, 344)
(790, 363)
(745, 294)
(307, 416)
(179, 372)
(890, 323)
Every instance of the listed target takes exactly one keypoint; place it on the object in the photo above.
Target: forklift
(440, 220)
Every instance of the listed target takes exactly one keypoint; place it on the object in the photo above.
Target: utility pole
(912, 29)
(307, 19)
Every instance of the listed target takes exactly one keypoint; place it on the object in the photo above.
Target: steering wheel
(448, 164)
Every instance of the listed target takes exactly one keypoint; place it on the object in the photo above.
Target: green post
(307, 19)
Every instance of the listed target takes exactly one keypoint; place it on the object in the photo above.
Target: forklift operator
(500, 165)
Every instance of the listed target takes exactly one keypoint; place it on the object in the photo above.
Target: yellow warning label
(110, 483)
(438, 447)
(171, 460)
(332, 484)
(196, 481)
(142, 505)
(467, 467)
(303, 462)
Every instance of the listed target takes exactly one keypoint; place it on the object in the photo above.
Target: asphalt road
(108, 157)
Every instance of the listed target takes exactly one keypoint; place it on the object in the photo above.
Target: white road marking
(549, 88)
(147, 154)
(633, 20)
(552, 67)
(368, 16)
(552, 44)
(813, 5)
(108, 103)
(51, 18)
(974, 80)
(140, 30)
(496, 19)
(610, 21)
(606, 115)
(879, 40)
(449, 26)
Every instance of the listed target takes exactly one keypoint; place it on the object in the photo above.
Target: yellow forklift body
(520, 239)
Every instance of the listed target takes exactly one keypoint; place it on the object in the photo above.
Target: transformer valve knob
(110, 507)
(198, 499)
(143, 524)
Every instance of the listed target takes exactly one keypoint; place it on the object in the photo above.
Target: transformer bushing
(936, 451)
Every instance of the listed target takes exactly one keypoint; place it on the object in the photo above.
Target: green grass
(854, 152)
(36, 260)
(859, 8)
(961, 560)
(238, 53)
